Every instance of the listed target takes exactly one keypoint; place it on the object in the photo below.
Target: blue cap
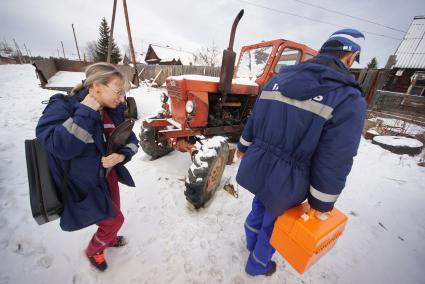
(349, 40)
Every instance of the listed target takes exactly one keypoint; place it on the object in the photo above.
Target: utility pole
(135, 76)
(57, 49)
(76, 44)
(108, 58)
(28, 54)
(63, 50)
(18, 51)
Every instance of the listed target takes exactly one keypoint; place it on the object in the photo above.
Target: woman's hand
(239, 154)
(91, 102)
(112, 160)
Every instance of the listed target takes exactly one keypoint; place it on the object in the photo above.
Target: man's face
(351, 58)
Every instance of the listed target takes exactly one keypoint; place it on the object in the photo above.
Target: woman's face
(111, 94)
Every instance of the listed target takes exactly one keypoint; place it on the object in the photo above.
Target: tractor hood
(178, 86)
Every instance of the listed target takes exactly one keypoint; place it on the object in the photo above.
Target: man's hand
(321, 215)
(112, 160)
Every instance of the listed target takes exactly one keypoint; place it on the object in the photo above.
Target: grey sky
(191, 24)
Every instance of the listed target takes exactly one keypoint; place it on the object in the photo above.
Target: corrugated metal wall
(411, 52)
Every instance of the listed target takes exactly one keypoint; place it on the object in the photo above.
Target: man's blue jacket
(73, 132)
(302, 136)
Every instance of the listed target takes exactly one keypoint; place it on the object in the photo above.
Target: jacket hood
(317, 76)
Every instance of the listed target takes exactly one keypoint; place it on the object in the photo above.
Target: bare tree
(207, 56)
(5, 49)
(90, 50)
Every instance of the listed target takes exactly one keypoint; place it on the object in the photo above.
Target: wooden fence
(399, 104)
(161, 72)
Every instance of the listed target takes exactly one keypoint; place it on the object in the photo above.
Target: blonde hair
(103, 73)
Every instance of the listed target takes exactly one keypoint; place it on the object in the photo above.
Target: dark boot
(272, 269)
(121, 241)
(98, 261)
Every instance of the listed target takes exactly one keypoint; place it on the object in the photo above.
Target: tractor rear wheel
(205, 173)
(150, 144)
(131, 111)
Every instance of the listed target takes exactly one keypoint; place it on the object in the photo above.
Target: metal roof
(411, 52)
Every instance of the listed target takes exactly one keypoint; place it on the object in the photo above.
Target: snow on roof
(411, 52)
(168, 54)
(65, 79)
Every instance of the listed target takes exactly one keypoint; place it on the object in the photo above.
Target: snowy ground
(172, 243)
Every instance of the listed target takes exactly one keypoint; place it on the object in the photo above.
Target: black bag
(118, 138)
(45, 199)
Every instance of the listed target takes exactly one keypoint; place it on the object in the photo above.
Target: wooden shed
(165, 55)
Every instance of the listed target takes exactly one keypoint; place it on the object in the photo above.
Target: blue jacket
(302, 136)
(73, 132)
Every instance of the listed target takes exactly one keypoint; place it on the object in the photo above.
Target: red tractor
(206, 107)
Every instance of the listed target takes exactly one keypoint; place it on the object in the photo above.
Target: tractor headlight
(163, 97)
(190, 107)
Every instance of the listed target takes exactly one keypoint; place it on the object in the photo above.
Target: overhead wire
(350, 16)
(312, 19)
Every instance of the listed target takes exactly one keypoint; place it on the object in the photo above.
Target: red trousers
(106, 234)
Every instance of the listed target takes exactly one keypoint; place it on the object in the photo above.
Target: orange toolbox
(302, 237)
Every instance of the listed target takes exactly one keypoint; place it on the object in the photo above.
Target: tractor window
(253, 62)
(288, 57)
(308, 56)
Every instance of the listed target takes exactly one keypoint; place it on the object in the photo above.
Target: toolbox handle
(314, 213)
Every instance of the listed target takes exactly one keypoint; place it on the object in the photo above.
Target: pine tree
(102, 45)
(373, 64)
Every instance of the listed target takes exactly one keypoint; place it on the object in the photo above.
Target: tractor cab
(259, 62)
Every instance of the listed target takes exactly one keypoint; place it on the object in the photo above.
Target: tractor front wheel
(205, 173)
(150, 145)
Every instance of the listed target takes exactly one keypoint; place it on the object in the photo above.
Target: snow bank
(398, 141)
(408, 128)
(65, 79)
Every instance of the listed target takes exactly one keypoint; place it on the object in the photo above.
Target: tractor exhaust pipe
(228, 62)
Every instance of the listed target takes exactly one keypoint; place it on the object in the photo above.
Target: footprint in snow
(187, 267)
(238, 280)
(26, 248)
(45, 261)
(235, 258)
(212, 258)
(216, 275)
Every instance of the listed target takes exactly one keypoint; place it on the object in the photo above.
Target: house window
(399, 72)
(417, 85)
